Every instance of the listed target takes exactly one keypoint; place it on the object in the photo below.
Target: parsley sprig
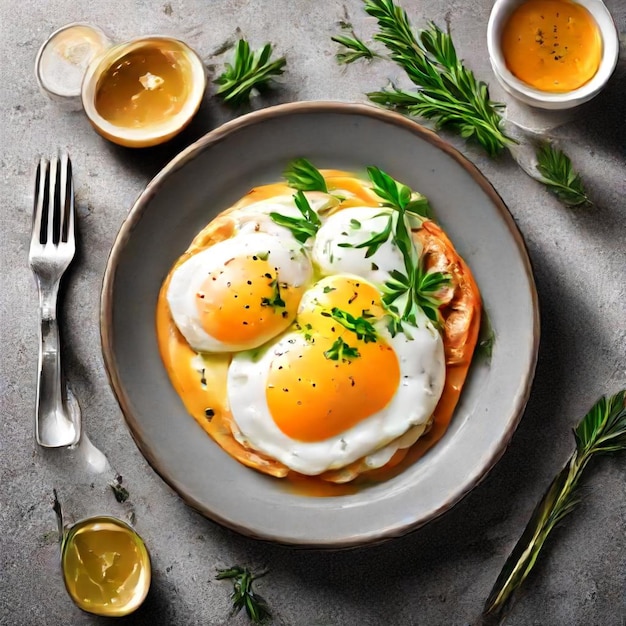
(419, 286)
(360, 326)
(249, 71)
(301, 174)
(341, 351)
(243, 596)
(301, 228)
(601, 431)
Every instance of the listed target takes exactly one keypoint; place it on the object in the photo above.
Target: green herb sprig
(601, 431)
(276, 301)
(416, 283)
(249, 71)
(353, 49)
(243, 596)
(301, 174)
(560, 177)
(374, 242)
(360, 326)
(341, 351)
(449, 94)
(301, 228)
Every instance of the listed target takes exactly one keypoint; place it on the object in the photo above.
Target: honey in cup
(552, 45)
(146, 86)
(144, 92)
(106, 566)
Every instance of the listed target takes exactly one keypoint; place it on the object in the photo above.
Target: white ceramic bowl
(500, 13)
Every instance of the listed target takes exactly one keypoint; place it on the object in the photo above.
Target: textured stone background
(439, 575)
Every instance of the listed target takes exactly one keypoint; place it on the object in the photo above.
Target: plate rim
(188, 154)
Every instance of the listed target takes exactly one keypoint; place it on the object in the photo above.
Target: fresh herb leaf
(397, 195)
(355, 224)
(352, 49)
(249, 71)
(340, 351)
(363, 329)
(559, 176)
(121, 493)
(486, 337)
(301, 228)
(375, 241)
(447, 91)
(601, 431)
(276, 300)
(243, 596)
(301, 174)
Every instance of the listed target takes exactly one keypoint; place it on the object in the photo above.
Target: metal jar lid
(63, 59)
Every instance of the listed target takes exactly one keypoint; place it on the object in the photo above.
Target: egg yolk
(335, 380)
(245, 299)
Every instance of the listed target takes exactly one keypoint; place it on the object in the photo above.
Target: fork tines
(54, 189)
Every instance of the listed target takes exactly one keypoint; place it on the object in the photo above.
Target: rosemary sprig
(352, 49)
(243, 597)
(448, 92)
(248, 71)
(119, 491)
(276, 301)
(559, 175)
(601, 431)
(341, 351)
(361, 327)
(301, 174)
(301, 228)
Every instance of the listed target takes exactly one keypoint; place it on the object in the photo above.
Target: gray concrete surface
(439, 575)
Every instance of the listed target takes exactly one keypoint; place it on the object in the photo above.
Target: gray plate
(209, 176)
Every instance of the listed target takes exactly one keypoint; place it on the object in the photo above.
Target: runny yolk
(313, 396)
(552, 45)
(245, 300)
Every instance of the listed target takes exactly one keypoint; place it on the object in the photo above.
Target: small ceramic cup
(150, 135)
(500, 13)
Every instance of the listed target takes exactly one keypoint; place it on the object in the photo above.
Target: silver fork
(52, 248)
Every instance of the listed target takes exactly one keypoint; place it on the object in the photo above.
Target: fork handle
(53, 429)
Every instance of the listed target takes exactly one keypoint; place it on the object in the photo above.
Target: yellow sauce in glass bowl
(552, 45)
(106, 566)
(143, 92)
(146, 86)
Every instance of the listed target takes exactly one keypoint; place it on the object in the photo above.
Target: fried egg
(256, 217)
(341, 245)
(319, 397)
(238, 293)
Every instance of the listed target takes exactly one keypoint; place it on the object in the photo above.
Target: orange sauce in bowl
(552, 45)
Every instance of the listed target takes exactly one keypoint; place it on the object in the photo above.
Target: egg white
(293, 267)
(335, 251)
(422, 375)
(256, 217)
